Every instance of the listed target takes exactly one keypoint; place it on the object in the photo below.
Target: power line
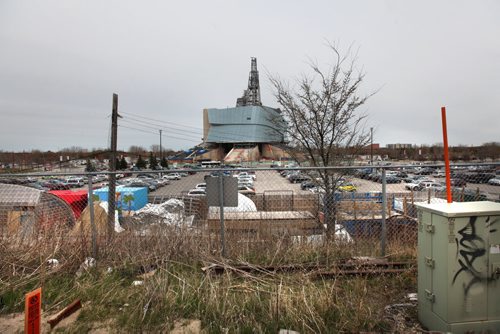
(157, 120)
(224, 135)
(151, 132)
(159, 127)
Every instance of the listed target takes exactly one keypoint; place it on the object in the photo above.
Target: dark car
(364, 173)
(458, 182)
(392, 179)
(467, 195)
(299, 178)
(141, 184)
(55, 185)
(425, 171)
(475, 177)
(306, 185)
(401, 174)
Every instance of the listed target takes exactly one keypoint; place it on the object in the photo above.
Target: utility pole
(371, 146)
(161, 151)
(112, 168)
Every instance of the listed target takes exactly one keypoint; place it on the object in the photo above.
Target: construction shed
(26, 211)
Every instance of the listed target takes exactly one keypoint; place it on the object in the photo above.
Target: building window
(249, 118)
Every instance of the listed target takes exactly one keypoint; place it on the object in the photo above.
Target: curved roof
(247, 124)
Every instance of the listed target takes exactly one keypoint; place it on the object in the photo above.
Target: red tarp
(77, 200)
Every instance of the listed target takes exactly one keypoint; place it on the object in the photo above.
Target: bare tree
(324, 124)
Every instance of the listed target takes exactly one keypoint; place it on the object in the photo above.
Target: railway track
(347, 268)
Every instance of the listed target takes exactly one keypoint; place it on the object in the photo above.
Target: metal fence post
(383, 240)
(221, 205)
(92, 221)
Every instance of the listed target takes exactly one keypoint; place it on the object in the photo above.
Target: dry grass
(178, 289)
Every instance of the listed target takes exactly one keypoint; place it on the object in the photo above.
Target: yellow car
(347, 187)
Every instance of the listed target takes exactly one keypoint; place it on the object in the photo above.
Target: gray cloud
(60, 62)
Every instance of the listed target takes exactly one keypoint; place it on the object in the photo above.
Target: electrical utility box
(459, 267)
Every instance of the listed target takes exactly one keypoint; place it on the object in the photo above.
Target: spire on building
(251, 96)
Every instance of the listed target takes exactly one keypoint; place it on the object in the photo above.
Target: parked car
(75, 182)
(201, 186)
(458, 182)
(142, 184)
(246, 190)
(55, 185)
(146, 176)
(347, 187)
(494, 181)
(392, 179)
(36, 185)
(247, 179)
(172, 176)
(252, 175)
(363, 173)
(196, 192)
(467, 195)
(425, 171)
(306, 185)
(299, 178)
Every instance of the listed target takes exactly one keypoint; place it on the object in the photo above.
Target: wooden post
(412, 199)
(112, 168)
(429, 196)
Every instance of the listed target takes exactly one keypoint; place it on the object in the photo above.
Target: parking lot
(272, 181)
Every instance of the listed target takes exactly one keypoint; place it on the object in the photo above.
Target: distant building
(374, 146)
(399, 146)
(247, 132)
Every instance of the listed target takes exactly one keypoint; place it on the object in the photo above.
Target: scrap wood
(66, 312)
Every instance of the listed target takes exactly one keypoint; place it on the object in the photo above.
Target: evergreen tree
(140, 163)
(164, 163)
(123, 164)
(90, 167)
(152, 161)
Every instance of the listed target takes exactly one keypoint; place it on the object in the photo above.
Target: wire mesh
(292, 205)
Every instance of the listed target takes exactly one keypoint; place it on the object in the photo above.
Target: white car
(253, 176)
(494, 181)
(75, 182)
(197, 192)
(245, 179)
(201, 186)
(172, 176)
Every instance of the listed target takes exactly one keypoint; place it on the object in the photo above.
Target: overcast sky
(60, 62)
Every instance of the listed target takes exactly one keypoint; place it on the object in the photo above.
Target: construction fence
(231, 210)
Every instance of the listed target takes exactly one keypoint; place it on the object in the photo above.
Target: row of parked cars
(245, 183)
(313, 181)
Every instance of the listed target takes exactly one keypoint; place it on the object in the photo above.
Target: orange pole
(446, 156)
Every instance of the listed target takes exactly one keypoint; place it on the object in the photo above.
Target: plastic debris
(53, 263)
(118, 227)
(89, 262)
(170, 212)
(137, 283)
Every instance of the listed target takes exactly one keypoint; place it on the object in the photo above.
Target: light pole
(371, 146)
(161, 151)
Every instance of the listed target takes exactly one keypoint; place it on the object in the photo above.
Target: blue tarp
(129, 198)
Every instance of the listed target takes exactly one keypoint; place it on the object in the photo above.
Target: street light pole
(371, 146)
(161, 151)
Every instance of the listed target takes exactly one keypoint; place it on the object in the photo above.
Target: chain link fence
(372, 209)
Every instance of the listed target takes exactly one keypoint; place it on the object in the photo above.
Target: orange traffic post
(33, 312)
(446, 156)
